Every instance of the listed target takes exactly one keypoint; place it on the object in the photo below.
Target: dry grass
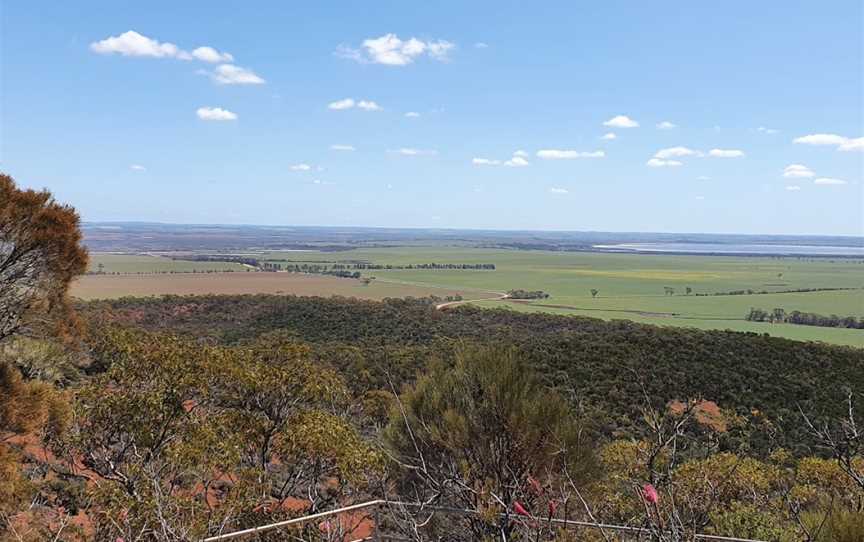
(113, 286)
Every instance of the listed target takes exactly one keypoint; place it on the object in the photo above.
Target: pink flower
(553, 506)
(519, 509)
(650, 494)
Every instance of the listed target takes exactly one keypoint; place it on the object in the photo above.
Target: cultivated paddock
(113, 286)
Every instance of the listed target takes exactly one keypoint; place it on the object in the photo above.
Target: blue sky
(133, 111)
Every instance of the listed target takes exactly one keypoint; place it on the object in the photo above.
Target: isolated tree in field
(689, 290)
(668, 290)
(486, 435)
(40, 254)
(594, 292)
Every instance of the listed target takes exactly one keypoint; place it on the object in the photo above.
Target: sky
(733, 117)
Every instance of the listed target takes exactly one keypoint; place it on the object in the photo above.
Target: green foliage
(44, 360)
(189, 439)
(610, 366)
(492, 428)
(840, 526)
(747, 520)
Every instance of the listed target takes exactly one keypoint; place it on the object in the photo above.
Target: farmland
(649, 288)
(114, 286)
(145, 263)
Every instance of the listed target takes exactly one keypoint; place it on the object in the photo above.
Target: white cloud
(215, 113)
(833, 140)
(559, 154)
(666, 125)
(793, 188)
(412, 114)
(390, 50)
(765, 130)
(137, 167)
(703, 178)
(368, 105)
(517, 161)
(621, 121)
(408, 151)
(658, 162)
(700, 197)
(132, 43)
(664, 157)
(829, 181)
(485, 162)
(439, 49)
(821, 139)
(676, 152)
(797, 171)
(556, 190)
(209, 54)
(349, 103)
(229, 74)
(339, 147)
(481, 45)
(856, 144)
(726, 153)
(608, 137)
(301, 167)
(339, 105)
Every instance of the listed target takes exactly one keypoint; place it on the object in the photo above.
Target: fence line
(447, 510)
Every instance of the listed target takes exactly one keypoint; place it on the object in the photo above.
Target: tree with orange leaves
(40, 254)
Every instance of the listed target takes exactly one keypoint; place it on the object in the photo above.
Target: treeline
(311, 269)
(436, 266)
(804, 318)
(353, 270)
(527, 294)
(245, 260)
(305, 267)
(171, 272)
(750, 291)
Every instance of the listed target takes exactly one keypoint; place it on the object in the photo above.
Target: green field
(137, 263)
(631, 286)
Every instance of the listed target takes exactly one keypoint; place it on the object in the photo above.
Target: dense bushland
(607, 367)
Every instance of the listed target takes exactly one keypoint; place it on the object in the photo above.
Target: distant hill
(149, 236)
